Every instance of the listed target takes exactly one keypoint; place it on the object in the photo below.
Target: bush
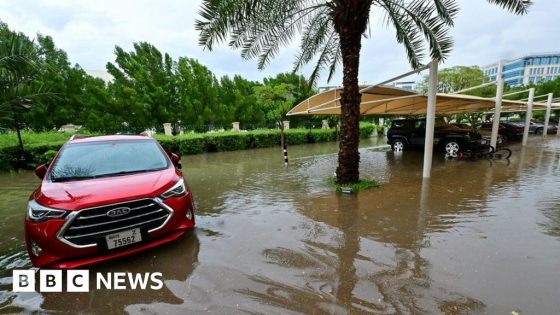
(47, 157)
(42, 147)
(35, 153)
(366, 129)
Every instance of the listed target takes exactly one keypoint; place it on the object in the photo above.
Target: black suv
(410, 133)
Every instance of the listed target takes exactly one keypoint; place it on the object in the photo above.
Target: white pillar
(325, 124)
(286, 124)
(558, 126)
(430, 119)
(235, 126)
(497, 106)
(167, 129)
(547, 115)
(528, 115)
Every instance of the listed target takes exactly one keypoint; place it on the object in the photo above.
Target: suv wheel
(452, 147)
(539, 131)
(398, 145)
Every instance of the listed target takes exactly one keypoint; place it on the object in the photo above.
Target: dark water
(480, 237)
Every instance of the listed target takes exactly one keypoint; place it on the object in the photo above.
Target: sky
(88, 31)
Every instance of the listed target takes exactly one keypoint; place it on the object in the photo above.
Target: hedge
(192, 143)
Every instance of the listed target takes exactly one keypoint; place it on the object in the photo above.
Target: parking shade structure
(381, 100)
(389, 100)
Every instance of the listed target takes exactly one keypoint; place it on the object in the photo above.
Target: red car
(106, 197)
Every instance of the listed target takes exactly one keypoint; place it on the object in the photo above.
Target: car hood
(75, 195)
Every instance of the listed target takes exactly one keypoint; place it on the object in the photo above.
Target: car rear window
(107, 158)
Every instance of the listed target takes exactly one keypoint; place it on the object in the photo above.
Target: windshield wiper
(126, 173)
(121, 173)
(70, 178)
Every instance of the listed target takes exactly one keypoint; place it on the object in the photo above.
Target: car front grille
(91, 225)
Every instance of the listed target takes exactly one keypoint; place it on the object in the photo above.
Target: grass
(362, 184)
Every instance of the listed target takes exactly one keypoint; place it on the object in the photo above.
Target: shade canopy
(389, 100)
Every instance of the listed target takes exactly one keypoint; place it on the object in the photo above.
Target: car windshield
(108, 158)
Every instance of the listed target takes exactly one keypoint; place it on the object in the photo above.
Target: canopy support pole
(367, 88)
(430, 119)
(473, 88)
(498, 106)
(528, 116)
(547, 115)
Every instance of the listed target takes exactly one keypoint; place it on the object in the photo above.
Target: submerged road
(479, 237)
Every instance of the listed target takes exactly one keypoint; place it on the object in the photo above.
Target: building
(528, 69)
(405, 85)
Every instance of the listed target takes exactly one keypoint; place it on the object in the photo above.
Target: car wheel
(539, 131)
(398, 145)
(452, 147)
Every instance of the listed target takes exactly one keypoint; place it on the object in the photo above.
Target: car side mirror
(41, 171)
(176, 159)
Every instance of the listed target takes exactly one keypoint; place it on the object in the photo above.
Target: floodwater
(479, 238)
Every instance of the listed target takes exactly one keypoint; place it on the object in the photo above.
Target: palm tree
(19, 64)
(331, 32)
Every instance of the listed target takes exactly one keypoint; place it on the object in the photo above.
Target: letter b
(50, 280)
(23, 280)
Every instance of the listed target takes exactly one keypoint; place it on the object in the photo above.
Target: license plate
(123, 238)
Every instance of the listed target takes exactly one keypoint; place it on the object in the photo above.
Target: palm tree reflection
(360, 261)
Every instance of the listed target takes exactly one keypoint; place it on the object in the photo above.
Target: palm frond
(258, 28)
(430, 19)
(515, 6)
(319, 38)
(405, 30)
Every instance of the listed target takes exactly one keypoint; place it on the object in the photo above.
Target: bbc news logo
(79, 281)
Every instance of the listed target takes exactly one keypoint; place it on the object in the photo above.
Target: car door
(418, 135)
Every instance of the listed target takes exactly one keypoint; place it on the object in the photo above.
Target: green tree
(458, 78)
(276, 101)
(142, 83)
(237, 98)
(331, 32)
(73, 93)
(198, 95)
(19, 65)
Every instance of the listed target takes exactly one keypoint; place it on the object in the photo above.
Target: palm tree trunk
(21, 159)
(350, 26)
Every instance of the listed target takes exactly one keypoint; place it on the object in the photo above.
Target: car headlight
(39, 213)
(177, 190)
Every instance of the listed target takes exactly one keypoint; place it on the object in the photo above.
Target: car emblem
(117, 212)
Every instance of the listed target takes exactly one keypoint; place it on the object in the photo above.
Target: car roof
(107, 138)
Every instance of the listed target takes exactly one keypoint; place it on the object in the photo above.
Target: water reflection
(176, 262)
(277, 240)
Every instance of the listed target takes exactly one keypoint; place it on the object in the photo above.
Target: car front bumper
(55, 253)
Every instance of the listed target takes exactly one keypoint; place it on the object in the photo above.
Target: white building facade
(528, 69)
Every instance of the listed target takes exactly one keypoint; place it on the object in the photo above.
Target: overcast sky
(88, 31)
